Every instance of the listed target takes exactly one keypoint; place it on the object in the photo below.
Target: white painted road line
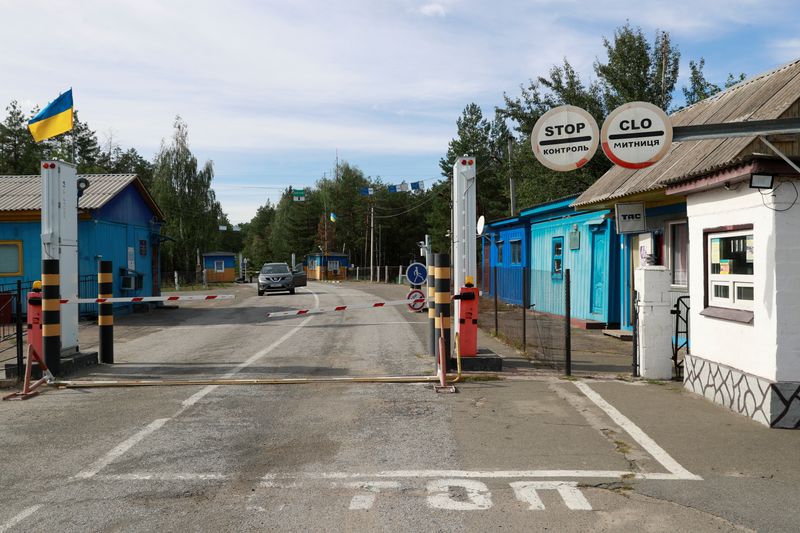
(19, 518)
(477, 495)
(569, 491)
(121, 448)
(649, 445)
(481, 474)
(371, 489)
(163, 476)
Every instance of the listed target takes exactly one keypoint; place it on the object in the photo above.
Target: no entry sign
(416, 300)
(565, 138)
(636, 135)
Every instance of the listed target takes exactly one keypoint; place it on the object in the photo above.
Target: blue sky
(271, 90)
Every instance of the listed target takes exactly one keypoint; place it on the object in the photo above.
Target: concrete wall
(747, 347)
(787, 283)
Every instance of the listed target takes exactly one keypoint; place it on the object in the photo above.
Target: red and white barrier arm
(320, 310)
(137, 299)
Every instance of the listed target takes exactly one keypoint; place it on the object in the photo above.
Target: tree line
(634, 68)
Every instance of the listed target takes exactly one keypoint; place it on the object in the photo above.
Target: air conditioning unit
(127, 283)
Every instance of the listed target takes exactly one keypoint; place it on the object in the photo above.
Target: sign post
(636, 135)
(565, 138)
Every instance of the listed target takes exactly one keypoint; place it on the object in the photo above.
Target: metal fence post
(567, 326)
(494, 289)
(635, 339)
(18, 312)
(525, 310)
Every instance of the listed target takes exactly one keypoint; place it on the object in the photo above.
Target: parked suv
(278, 277)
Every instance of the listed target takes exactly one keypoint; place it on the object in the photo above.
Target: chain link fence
(532, 310)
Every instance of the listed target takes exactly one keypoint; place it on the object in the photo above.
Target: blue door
(599, 265)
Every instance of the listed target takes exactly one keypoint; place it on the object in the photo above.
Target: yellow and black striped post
(433, 340)
(51, 315)
(442, 299)
(105, 312)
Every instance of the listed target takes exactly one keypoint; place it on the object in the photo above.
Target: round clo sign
(565, 138)
(636, 135)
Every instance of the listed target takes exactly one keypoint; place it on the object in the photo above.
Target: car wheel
(261, 293)
(291, 291)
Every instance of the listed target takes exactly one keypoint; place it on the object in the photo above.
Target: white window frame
(219, 265)
(669, 249)
(732, 281)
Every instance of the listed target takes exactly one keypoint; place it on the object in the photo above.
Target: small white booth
(744, 284)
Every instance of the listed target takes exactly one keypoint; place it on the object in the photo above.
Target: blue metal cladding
(591, 266)
(209, 260)
(510, 245)
(127, 207)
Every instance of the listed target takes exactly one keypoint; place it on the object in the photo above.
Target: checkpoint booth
(328, 266)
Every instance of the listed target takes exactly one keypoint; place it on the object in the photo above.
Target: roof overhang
(734, 174)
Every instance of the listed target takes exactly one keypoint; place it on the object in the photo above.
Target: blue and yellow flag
(54, 119)
(333, 217)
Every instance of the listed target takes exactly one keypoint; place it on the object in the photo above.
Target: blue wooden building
(327, 266)
(546, 240)
(118, 221)
(220, 266)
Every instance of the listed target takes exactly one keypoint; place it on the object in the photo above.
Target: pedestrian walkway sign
(416, 274)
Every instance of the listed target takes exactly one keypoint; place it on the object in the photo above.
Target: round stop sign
(636, 135)
(565, 138)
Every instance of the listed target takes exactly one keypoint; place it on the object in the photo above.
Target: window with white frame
(333, 266)
(219, 266)
(500, 252)
(516, 252)
(730, 269)
(679, 253)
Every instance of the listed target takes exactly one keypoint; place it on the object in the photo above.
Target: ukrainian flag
(54, 119)
(333, 217)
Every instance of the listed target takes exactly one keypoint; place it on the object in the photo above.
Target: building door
(599, 268)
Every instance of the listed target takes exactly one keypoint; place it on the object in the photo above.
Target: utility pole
(512, 186)
(371, 238)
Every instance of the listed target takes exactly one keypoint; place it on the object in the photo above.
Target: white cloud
(433, 10)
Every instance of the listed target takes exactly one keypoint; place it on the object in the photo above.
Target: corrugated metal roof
(24, 193)
(761, 98)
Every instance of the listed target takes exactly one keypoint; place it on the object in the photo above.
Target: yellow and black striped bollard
(105, 312)
(51, 315)
(434, 339)
(442, 299)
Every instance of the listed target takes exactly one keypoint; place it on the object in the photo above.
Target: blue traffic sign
(416, 273)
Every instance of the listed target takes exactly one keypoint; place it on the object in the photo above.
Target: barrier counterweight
(51, 315)
(105, 312)
(442, 299)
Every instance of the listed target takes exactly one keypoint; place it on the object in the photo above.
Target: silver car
(278, 277)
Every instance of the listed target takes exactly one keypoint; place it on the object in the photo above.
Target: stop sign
(565, 138)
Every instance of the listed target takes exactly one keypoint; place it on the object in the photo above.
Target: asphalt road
(530, 452)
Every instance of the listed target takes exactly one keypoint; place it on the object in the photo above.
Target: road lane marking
(475, 495)
(19, 518)
(126, 445)
(648, 444)
(483, 474)
(121, 448)
(526, 491)
(164, 476)
(366, 500)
